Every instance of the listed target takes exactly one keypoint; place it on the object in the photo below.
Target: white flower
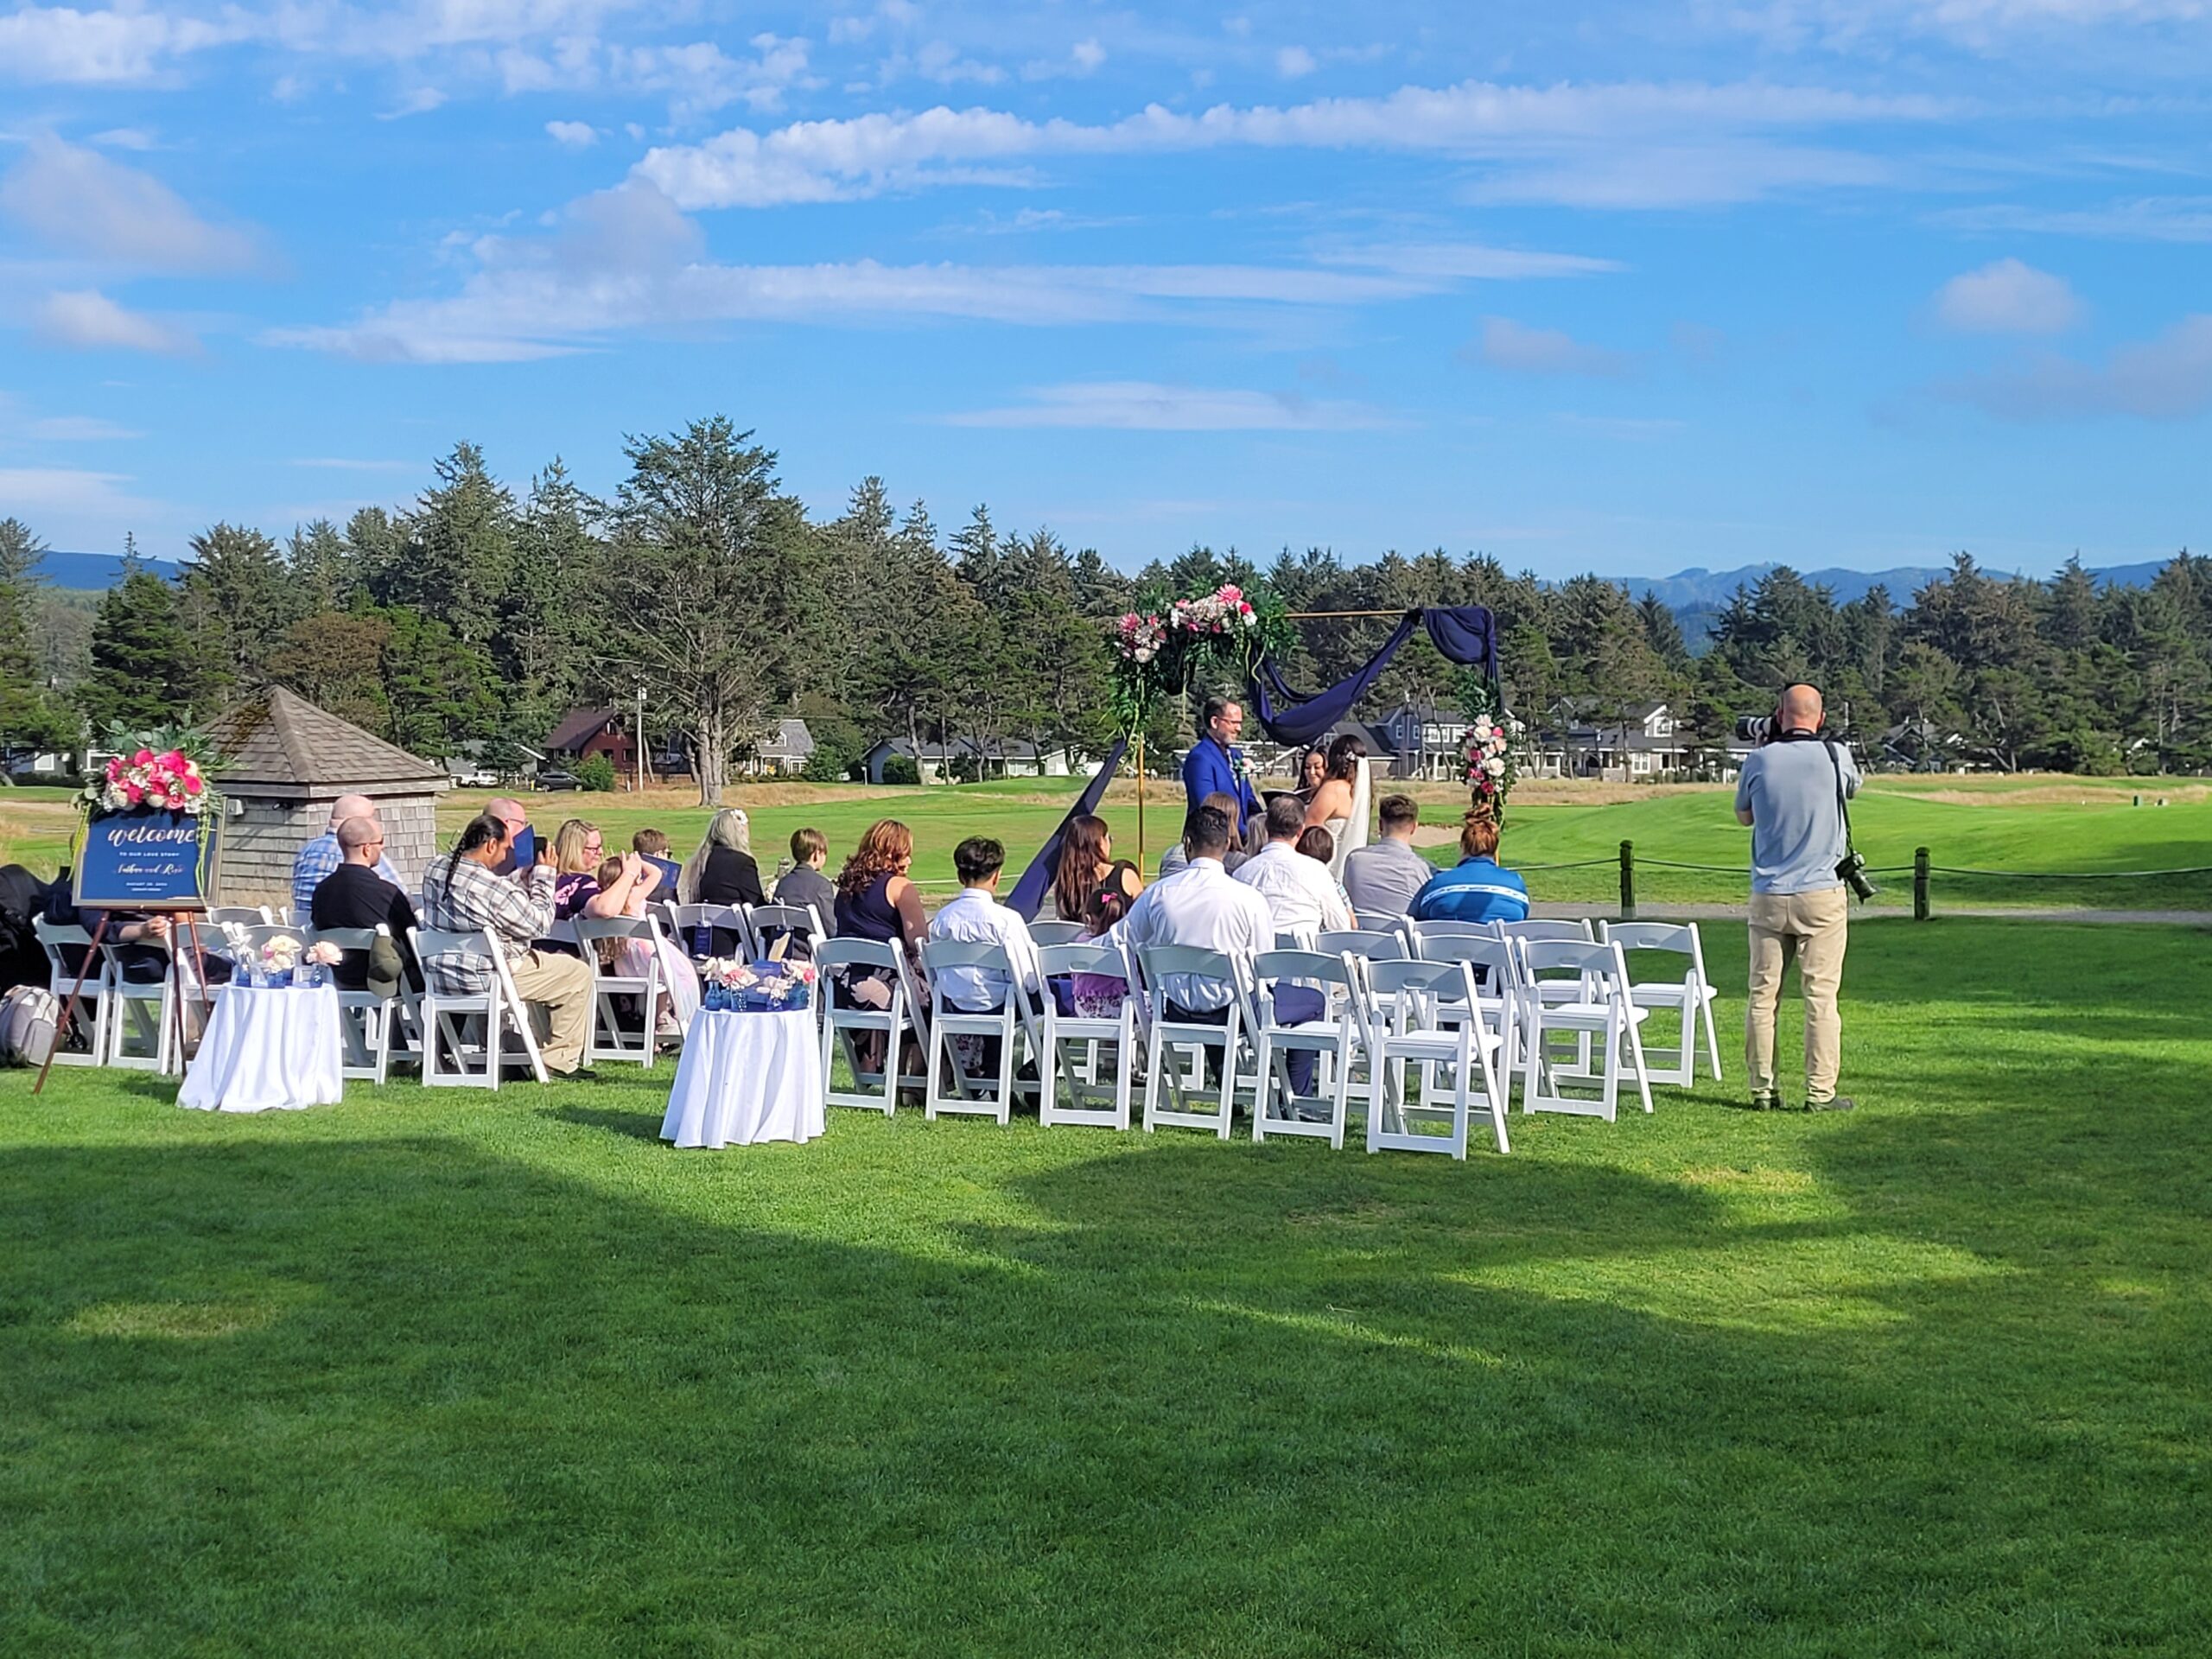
(1495, 766)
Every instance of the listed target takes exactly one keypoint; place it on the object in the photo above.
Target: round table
(746, 1077)
(267, 1050)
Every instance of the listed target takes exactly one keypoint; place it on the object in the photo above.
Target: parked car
(558, 780)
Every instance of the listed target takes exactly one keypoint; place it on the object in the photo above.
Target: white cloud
(2167, 379)
(1144, 406)
(1464, 261)
(79, 429)
(50, 44)
(573, 135)
(2007, 297)
(1088, 55)
(1979, 24)
(126, 138)
(697, 77)
(88, 319)
(940, 61)
(81, 202)
(2143, 219)
(1294, 61)
(420, 101)
(1566, 128)
(1520, 349)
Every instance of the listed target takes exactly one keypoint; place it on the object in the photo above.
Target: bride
(1340, 804)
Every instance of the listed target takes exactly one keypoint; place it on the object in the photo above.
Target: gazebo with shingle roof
(283, 761)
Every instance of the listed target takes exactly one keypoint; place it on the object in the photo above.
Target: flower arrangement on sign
(167, 782)
(1166, 644)
(737, 986)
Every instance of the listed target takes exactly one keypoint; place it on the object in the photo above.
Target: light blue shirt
(1473, 890)
(1796, 827)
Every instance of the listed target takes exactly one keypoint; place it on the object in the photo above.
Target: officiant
(1216, 765)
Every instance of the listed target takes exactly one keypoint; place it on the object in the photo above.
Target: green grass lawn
(470, 1373)
(2099, 830)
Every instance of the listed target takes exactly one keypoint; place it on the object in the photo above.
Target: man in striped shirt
(1476, 888)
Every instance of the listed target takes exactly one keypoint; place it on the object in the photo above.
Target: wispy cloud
(2007, 297)
(1519, 349)
(128, 47)
(2165, 378)
(1147, 406)
(80, 201)
(572, 135)
(88, 321)
(2141, 218)
(345, 464)
(79, 428)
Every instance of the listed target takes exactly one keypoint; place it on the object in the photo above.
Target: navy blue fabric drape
(1036, 881)
(1464, 633)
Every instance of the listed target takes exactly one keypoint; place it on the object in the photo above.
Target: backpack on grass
(29, 1015)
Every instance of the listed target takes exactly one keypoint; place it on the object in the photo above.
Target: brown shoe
(1837, 1103)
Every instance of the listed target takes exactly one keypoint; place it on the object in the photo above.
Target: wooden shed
(283, 761)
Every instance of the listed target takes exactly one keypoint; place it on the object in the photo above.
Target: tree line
(474, 619)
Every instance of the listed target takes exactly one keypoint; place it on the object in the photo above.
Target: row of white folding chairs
(757, 927)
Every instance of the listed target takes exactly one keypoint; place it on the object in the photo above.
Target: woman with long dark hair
(1088, 864)
(1331, 804)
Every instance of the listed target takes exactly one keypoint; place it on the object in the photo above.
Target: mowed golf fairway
(464, 1373)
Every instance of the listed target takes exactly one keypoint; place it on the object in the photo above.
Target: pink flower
(133, 793)
(143, 758)
(191, 785)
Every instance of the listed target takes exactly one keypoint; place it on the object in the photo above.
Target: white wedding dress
(1351, 832)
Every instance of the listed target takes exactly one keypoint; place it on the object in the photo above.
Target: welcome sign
(142, 861)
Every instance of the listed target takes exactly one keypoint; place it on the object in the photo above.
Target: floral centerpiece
(280, 960)
(738, 986)
(1492, 745)
(169, 781)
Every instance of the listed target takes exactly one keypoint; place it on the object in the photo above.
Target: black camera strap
(1842, 802)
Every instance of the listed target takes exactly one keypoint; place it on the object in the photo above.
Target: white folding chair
(1560, 932)
(604, 1038)
(844, 1021)
(1600, 1014)
(1690, 996)
(1494, 967)
(365, 1019)
(765, 924)
(141, 1027)
(470, 1025)
(67, 948)
(1074, 1048)
(220, 916)
(949, 1022)
(685, 923)
(1168, 1038)
(1410, 1023)
(1367, 943)
(1044, 933)
(1334, 1040)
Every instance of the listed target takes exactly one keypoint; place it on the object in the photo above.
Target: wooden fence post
(1920, 884)
(1628, 880)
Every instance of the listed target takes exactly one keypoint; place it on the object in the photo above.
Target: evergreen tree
(459, 549)
(29, 718)
(144, 672)
(235, 600)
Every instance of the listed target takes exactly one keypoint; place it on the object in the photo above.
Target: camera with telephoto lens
(1754, 728)
(1852, 870)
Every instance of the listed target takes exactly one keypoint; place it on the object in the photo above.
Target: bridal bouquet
(169, 782)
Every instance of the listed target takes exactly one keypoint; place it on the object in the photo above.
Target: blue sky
(1616, 287)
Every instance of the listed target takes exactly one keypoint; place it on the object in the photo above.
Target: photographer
(1791, 794)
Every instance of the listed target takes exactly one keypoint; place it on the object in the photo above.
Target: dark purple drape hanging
(1036, 880)
(1466, 634)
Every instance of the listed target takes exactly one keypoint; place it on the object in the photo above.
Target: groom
(1215, 763)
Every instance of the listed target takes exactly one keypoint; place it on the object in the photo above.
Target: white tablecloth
(267, 1050)
(746, 1077)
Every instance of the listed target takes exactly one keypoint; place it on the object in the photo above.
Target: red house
(595, 731)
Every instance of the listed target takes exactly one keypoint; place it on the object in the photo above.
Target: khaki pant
(563, 985)
(1812, 926)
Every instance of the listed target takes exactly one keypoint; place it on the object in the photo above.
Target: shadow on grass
(290, 1396)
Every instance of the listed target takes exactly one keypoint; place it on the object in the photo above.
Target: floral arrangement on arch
(1166, 644)
(1492, 745)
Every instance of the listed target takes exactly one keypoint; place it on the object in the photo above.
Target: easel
(179, 920)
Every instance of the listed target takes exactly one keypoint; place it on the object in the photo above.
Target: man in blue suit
(1216, 764)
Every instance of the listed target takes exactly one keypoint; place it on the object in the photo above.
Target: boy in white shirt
(975, 917)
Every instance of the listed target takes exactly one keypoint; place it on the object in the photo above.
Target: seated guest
(722, 871)
(1204, 908)
(463, 894)
(1382, 878)
(1087, 863)
(1318, 844)
(975, 917)
(1300, 894)
(1176, 857)
(321, 855)
(579, 850)
(354, 895)
(634, 959)
(876, 901)
(803, 884)
(1476, 889)
(1099, 997)
(652, 845)
(522, 844)
(142, 941)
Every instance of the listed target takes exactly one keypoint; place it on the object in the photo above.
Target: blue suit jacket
(1208, 769)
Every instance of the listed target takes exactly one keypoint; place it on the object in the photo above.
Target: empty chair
(851, 1026)
(1691, 996)
(1074, 1048)
(1410, 1025)
(1600, 1014)
(141, 1013)
(1367, 945)
(994, 1028)
(1044, 933)
(1569, 931)
(365, 1019)
(1182, 1043)
(468, 1029)
(1285, 986)
(800, 924)
(69, 954)
(1494, 966)
(245, 915)
(703, 931)
(605, 1038)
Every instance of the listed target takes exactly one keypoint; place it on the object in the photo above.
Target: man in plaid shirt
(320, 856)
(461, 894)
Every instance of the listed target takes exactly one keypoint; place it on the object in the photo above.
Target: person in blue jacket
(1216, 765)
(1476, 888)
